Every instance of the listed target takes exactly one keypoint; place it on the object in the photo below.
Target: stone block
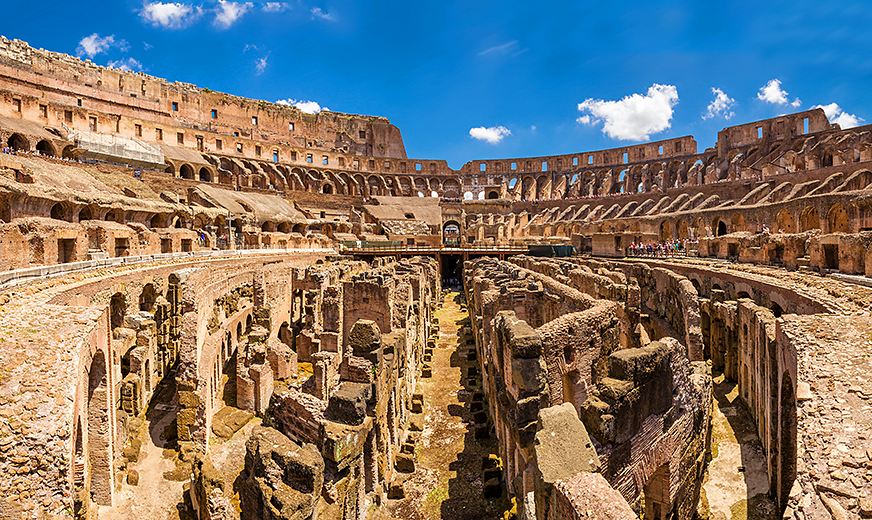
(562, 446)
(348, 404)
(530, 374)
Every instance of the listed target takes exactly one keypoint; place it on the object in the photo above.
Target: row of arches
(18, 142)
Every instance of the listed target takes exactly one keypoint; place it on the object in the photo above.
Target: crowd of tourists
(675, 247)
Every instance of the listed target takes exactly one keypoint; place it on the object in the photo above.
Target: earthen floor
(447, 482)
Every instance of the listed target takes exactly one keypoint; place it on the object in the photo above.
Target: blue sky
(479, 79)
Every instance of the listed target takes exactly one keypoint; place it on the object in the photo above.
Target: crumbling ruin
(249, 294)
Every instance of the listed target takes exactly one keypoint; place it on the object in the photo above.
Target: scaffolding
(116, 149)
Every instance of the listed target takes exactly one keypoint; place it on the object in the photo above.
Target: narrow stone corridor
(448, 481)
(737, 482)
(152, 495)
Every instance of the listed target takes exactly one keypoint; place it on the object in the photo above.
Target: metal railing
(411, 249)
(29, 274)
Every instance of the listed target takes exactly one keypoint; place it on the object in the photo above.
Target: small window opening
(290, 127)
(175, 106)
(238, 147)
(759, 132)
(214, 114)
(254, 120)
(362, 134)
(218, 144)
(180, 137)
(626, 157)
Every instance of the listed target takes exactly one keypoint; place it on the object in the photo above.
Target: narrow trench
(736, 485)
(449, 482)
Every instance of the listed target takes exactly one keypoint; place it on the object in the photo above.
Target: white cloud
(261, 65)
(836, 115)
(720, 106)
(275, 7)
(228, 12)
(771, 92)
(320, 13)
(309, 107)
(491, 134)
(500, 48)
(635, 117)
(533, 128)
(126, 64)
(170, 15)
(93, 45)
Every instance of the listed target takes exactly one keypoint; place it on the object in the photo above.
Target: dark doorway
(66, 250)
(452, 270)
(831, 256)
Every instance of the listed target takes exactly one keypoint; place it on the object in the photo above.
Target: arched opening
(85, 214)
(776, 310)
(837, 219)
(158, 221)
(99, 431)
(170, 169)
(69, 152)
(809, 219)
(784, 221)
(284, 227)
(115, 215)
(147, 298)
(738, 222)
(681, 229)
(117, 307)
(722, 228)
(300, 228)
(186, 172)
(205, 174)
(492, 195)
(45, 148)
(268, 227)
(787, 446)
(58, 212)
(665, 230)
(18, 142)
(451, 234)
(327, 189)
(467, 195)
